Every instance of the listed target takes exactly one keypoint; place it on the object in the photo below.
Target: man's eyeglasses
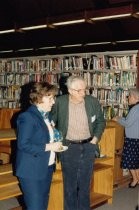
(79, 90)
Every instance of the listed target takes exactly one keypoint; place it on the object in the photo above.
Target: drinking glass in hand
(58, 137)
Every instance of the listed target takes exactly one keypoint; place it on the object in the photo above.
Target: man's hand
(94, 140)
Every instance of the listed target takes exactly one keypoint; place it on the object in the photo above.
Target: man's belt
(82, 141)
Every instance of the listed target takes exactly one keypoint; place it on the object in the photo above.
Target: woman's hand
(55, 146)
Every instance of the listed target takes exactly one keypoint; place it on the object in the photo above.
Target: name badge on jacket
(93, 118)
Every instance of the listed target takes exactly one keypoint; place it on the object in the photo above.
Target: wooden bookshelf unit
(109, 75)
(101, 189)
(102, 180)
(120, 178)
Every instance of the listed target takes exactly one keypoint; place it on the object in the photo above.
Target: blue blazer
(32, 137)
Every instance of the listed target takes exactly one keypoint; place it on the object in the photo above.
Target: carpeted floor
(123, 199)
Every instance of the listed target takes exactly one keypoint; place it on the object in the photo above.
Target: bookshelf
(109, 75)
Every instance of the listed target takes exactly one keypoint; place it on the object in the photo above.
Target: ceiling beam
(79, 17)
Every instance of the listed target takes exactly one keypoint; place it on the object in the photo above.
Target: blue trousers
(36, 192)
(77, 167)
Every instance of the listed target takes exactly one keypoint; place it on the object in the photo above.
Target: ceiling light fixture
(111, 17)
(69, 22)
(28, 49)
(43, 48)
(131, 40)
(7, 31)
(6, 51)
(91, 19)
(34, 27)
(72, 45)
(98, 43)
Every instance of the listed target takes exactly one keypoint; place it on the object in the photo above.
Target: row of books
(111, 97)
(105, 79)
(105, 96)
(66, 63)
(10, 92)
(111, 111)
(95, 79)
(9, 104)
(21, 79)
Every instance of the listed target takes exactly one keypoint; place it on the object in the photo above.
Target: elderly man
(80, 118)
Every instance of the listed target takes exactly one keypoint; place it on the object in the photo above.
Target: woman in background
(36, 147)
(130, 156)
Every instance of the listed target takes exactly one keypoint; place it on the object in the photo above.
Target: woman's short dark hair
(40, 89)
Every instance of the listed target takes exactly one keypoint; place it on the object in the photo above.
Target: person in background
(36, 147)
(130, 155)
(80, 118)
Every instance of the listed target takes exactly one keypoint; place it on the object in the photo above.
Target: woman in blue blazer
(36, 147)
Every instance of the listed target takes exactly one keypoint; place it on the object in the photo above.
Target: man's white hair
(74, 79)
